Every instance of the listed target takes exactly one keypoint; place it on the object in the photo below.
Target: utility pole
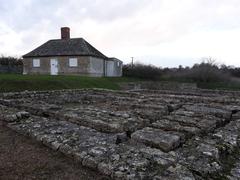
(132, 61)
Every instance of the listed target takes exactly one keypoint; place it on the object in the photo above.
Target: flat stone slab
(168, 125)
(204, 123)
(235, 172)
(204, 109)
(157, 138)
(102, 120)
(177, 172)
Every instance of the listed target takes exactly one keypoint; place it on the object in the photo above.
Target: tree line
(206, 71)
(10, 61)
(10, 65)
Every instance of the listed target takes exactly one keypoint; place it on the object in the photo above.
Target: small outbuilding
(70, 56)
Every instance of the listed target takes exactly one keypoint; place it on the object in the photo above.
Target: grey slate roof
(114, 59)
(62, 47)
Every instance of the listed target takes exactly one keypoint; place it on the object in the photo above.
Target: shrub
(142, 71)
(206, 71)
(10, 65)
(10, 61)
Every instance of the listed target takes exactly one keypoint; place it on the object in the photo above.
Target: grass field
(14, 82)
(233, 86)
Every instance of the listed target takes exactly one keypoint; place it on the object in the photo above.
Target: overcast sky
(159, 32)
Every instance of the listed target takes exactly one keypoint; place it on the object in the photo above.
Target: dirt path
(21, 158)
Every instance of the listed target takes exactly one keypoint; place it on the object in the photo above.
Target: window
(36, 62)
(118, 63)
(73, 62)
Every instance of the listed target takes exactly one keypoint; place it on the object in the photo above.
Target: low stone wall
(141, 134)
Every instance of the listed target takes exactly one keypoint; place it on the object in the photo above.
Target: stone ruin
(140, 134)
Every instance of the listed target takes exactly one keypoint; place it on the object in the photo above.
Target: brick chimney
(65, 33)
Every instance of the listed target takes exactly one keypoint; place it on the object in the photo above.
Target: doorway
(54, 66)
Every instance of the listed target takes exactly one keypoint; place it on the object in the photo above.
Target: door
(54, 66)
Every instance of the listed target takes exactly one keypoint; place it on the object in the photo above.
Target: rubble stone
(165, 141)
(140, 134)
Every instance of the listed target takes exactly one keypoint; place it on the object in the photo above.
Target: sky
(165, 33)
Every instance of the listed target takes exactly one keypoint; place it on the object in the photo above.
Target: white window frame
(73, 62)
(36, 62)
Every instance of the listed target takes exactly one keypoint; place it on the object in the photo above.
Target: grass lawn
(233, 86)
(15, 82)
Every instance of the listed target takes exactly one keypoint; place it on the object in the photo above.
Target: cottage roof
(65, 47)
(114, 59)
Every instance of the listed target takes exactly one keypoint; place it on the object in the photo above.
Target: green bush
(10, 61)
(142, 71)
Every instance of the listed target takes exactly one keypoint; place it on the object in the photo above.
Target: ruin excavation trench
(134, 134)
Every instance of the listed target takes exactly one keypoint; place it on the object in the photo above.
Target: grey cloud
(114, 24)
(21, 15)
(102, 9)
